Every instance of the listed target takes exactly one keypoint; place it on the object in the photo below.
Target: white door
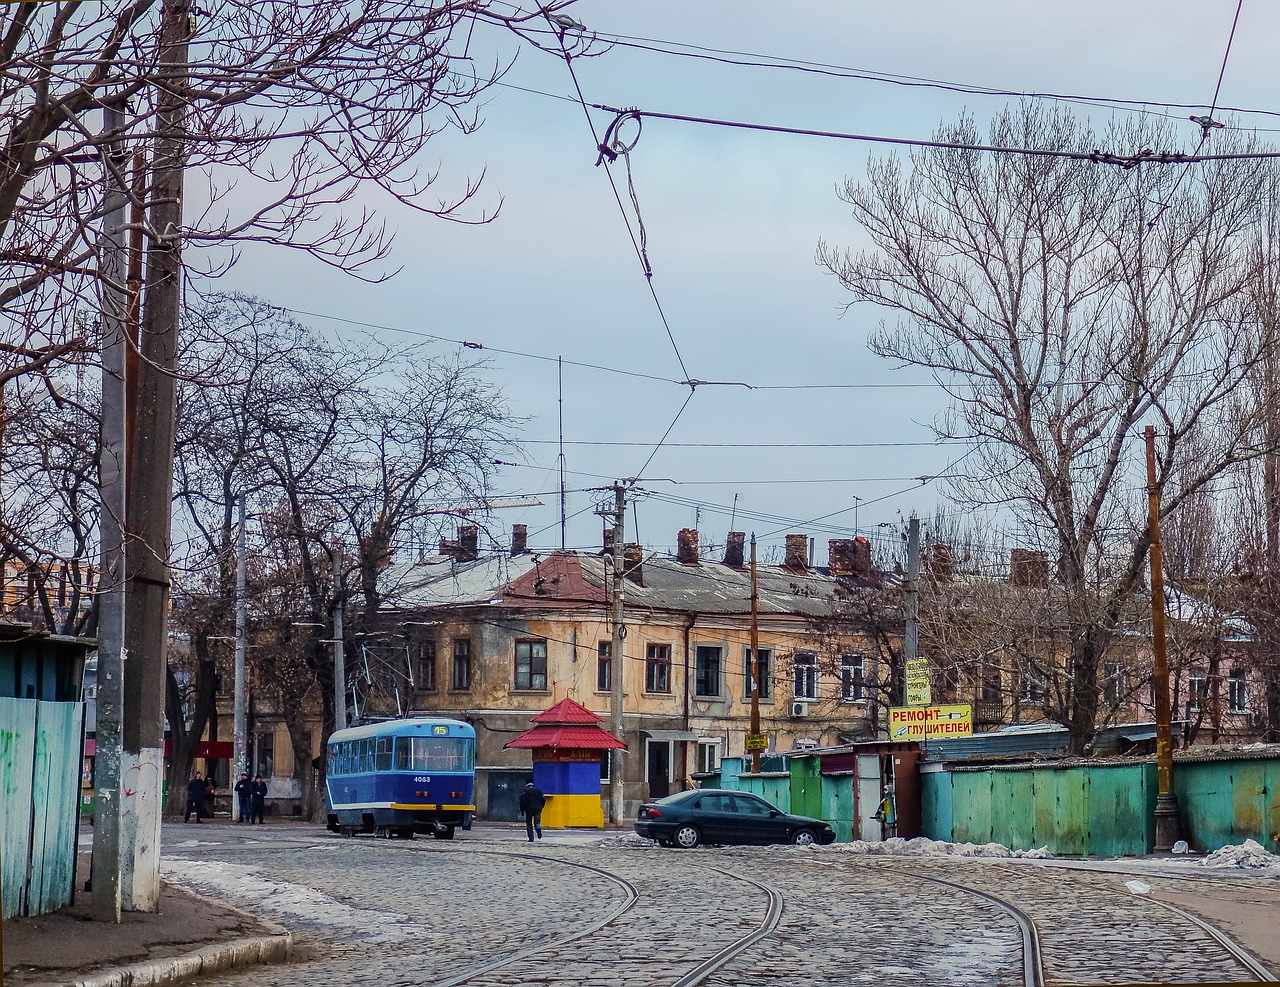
(867, 800)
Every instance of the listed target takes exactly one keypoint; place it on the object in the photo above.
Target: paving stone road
(392, 912)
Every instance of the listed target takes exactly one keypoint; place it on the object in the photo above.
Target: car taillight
(652, 813)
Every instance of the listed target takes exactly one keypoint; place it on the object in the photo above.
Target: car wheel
(803, 837)
(686, 837)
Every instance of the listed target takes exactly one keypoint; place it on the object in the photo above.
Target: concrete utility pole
(150, 481)
(1166, 800)
(241, 743)
(110, 689)
(911, 638)
(617, 661)
(339, 656)
(755, 658)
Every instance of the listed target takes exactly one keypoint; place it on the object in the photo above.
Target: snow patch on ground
(243, 887)
(1248, 855)
(922, 846)
(630, 840)
(190, 843)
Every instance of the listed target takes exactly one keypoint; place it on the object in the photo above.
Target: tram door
(504, 794)
(659, 768)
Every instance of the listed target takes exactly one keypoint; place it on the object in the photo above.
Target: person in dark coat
(197, 792)
(259, 799)
(531, 802)
(244, 796)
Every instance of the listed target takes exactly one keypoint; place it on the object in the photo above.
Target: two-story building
(495, 639)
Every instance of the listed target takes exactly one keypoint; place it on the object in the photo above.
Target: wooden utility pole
(755, 659)
(1166, 800)
(150, 479)
(105, 868)
(617, 661)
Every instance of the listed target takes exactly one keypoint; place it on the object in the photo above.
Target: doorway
(658, 768)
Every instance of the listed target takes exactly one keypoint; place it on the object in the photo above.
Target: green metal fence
(40, 750)
(1105, 809)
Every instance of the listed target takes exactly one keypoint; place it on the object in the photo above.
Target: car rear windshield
(677, 797)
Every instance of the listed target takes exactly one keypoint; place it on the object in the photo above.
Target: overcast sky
(732, 221)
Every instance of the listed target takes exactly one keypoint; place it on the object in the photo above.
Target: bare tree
(1063, 303)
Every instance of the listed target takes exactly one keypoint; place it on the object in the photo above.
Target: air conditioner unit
(799, 708)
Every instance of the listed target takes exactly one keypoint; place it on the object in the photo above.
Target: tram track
(704, 969)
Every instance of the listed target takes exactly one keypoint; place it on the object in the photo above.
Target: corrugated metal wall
(1105, 810)
(40, 751)
(806, 787)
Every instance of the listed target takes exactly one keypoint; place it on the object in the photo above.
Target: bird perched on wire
(1207, 123)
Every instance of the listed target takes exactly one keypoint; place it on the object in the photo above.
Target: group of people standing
(252, 796)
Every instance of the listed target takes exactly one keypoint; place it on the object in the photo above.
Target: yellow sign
(757, 742)
(918, 692)
(921, 722)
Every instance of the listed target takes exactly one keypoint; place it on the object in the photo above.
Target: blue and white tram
(402, 777)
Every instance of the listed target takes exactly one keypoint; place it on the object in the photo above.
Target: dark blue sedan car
(713, 815)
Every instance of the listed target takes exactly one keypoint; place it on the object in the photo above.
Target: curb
(219, 957)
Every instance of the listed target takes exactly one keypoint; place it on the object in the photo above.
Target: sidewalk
(189, 935)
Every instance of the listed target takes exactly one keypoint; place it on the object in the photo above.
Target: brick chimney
(1028, 568)
(519, 539)
(840, 556)
(687, 546)
(632, 557)
(467, 546)
(863, 567)
(797, 553)
(733, 549)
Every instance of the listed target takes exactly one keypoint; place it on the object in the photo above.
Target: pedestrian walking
(259, 799)
(531, 802)
(244, 798)
(197, 792)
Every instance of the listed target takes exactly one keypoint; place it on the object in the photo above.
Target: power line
(748, 445)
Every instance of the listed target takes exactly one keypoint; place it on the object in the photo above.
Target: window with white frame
(766, 673)
(708, 754)
(852, 685)
(606, 759)
(1032, 686)
(1197, 691)
(804, 675)
(1113, 683)
(1237, 693)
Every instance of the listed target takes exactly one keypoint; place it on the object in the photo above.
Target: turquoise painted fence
(1105, 809)
(40, 751)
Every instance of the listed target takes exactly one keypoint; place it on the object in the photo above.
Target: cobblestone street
(492, 910)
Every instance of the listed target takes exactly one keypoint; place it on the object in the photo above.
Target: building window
(531, 665)
(852, 686)
(804, 673)
(708, 754)
(606, 758)
(1032, 686)
(427, 666)
(766, 673)
(991, 690)
(604, 666)
(1113, 684)
(657, 668)
(266, 759)
(1196, 691)
(462, 664)
(707, 663)
(1237, 696)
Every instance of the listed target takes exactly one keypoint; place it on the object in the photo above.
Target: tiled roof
(568, 713)
(583, 738)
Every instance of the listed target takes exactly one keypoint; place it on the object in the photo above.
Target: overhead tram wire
(1145, 156)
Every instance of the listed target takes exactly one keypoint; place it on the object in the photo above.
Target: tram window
(434, 754)
(384, 754)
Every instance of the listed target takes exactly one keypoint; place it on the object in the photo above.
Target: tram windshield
(435, 754)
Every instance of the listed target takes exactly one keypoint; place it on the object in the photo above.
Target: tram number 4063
(422, 779)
